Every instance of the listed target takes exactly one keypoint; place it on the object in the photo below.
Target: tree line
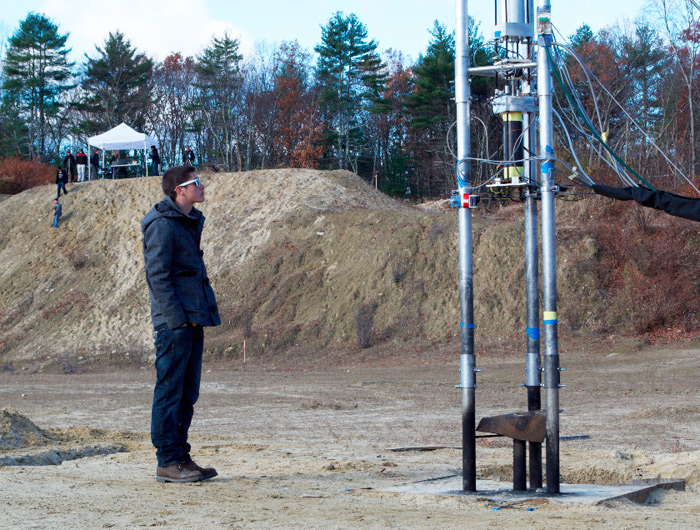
(345, 105)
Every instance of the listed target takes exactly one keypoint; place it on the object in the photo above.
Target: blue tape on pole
(461, 324)
(533, 333)
(470, 326)
(547, 167)
(550, 322)
(548, 148)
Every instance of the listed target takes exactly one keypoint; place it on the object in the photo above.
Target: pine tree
(36, 71)
(432, 109)
(350, 74)
(117, 84)
(219, 82)
(433, 112)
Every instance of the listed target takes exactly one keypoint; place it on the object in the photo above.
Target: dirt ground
(312, 448)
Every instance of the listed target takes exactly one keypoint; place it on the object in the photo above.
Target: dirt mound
(308, 258)
(23, 443)
(18, 432)
(82, 285)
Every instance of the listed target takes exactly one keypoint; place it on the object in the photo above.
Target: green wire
(587, 121)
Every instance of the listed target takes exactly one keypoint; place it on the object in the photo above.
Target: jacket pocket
(188, 290)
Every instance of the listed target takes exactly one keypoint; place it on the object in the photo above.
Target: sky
(159, 27)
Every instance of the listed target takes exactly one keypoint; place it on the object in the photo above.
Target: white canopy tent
(122, 137)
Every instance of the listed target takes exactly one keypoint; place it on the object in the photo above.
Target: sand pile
(23, 443)
(18, 432)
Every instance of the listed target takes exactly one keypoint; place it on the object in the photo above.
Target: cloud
(154, 28)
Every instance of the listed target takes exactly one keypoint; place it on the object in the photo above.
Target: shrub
(17, 175)
(649, 269)
(77, 256)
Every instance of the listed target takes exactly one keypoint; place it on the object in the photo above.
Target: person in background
(95, 164)
(81, 161)
(118, 160)
(155, 157)
(69, 166)
(188, 156)
(182, 304)
(57, 212)
(61, 180)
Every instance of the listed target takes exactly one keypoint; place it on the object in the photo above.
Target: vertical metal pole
(549, 291)
(466, 272)
(533, 361)
(519, 469)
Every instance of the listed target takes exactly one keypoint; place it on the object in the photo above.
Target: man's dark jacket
(69, 164)
(154, 155)
(177, 278)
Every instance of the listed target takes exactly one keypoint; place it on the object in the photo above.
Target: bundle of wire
(573, 114)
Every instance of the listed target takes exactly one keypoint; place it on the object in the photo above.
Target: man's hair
(175, 176)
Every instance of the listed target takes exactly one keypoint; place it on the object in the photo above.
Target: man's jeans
(178, 369)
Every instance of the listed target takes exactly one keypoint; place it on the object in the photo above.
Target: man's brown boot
(178, 473)
(207, 472)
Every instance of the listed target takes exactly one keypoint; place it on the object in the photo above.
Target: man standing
(81, 163)
(69, 166)
(155, 158)
(61, 180)
(95, 164)
(188, 156)
(182, 302)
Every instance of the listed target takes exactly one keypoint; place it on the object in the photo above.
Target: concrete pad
(570, 494)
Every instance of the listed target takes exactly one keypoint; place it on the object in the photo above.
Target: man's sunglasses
(196, 182)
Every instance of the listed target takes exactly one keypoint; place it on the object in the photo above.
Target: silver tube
(532, 293)
(533, 365)
(549, 290)
(466, 290)
(476, 70)
(512, 11)
(533, 358)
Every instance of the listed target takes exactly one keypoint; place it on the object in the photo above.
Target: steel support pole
(549, 278)
(533, 363)
(519, 468)
(466, 273)
(533, 360)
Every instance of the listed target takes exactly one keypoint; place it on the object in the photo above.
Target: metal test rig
(523, 33)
